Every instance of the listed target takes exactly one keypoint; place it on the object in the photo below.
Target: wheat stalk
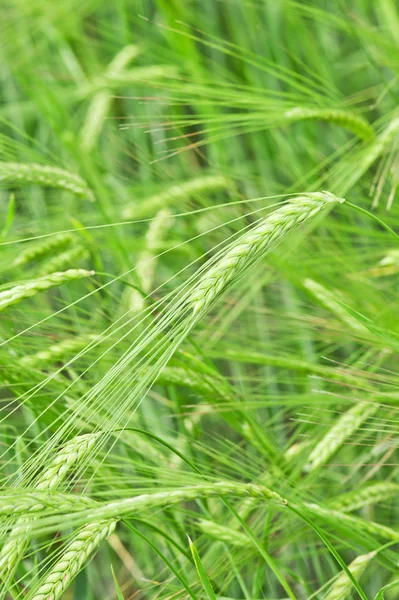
(146, 502)
(254, 244)
(72, 560)
(40, 284)
(342, 586)
(20, 173)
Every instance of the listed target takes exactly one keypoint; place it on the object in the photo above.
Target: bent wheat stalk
(146, 502)
(40, 284)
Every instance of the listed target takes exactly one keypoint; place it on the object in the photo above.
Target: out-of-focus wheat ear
(345, 118)
(173, 194)
(342, 586)
(58, 352)
(23, 174)
(347, 424)
(43, 249)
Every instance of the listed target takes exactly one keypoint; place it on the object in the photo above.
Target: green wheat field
(199, 299)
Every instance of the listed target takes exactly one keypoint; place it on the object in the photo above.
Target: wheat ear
(28, 503)
(174, 193)
(89, 537)
(342, 586)
(40, 284)
(346, 425)
(223, 534)
(58, 352)
(254, 244)
(43, 249)
(72, 560)
(349, 120)
(20, 173)
(371, 494)
(64, 260)
(71, 454)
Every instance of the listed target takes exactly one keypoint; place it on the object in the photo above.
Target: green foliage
(192, 343)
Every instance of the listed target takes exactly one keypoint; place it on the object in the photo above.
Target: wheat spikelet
(20, 173)
(72, 560)
(64, 260)
(346, 425)
(254, 244)
(58, 352)
(71, 454)
(170, 195)
(342, 586)
(372, 494)
(346, 119)
(40, 284)
(41, 250)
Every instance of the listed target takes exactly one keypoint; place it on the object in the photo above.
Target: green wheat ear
(22, 174)
(342, 586)
(254, 244)
(54, 474)
(30, 288)
(72, 560)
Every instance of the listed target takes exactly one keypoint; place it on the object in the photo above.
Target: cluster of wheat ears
(198, 382)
